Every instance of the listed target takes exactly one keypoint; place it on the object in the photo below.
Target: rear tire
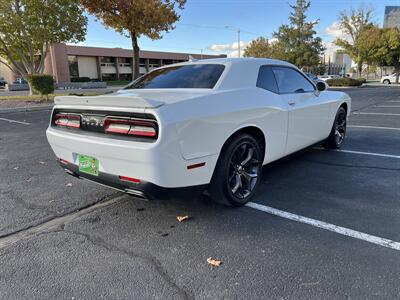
(238, 171)
(386, 81)
(338, 132)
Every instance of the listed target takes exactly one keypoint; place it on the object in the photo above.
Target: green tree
(134, 18)
(259, 47)
(29, 27)
(297, 42)
(381, 46)
(353, 23)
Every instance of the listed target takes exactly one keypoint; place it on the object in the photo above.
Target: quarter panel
(204, 124)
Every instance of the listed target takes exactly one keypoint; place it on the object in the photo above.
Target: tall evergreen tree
(297, 41)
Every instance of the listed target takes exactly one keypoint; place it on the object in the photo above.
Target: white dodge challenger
(210, 124)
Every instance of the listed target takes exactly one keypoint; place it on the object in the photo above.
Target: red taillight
(130, 127)
(125, 178)
(69, 121)
(63, 161)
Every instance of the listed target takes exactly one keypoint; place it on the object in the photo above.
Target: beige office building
(65, 62)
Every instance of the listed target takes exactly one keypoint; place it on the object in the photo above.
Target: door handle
(292, 103)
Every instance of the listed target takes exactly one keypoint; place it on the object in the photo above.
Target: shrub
(80, 79)
(362, 80)
(43, 84)
(344, 82)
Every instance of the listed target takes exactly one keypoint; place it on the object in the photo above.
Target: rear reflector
(66, 120)
(125, 178)
(130, 127)
(63, 161)
(199, 165)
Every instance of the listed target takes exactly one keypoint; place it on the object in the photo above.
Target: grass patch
(39, 98)
(118, 82)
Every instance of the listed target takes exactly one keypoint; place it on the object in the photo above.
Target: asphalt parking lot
(324, 225)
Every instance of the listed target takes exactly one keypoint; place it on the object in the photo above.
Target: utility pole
(238, 32)
(239, 42)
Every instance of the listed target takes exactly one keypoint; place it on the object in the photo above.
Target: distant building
(337, 62)
(392, 17)
(66, 62)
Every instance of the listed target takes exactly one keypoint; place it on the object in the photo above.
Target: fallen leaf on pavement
(16, 168)
(214, 262)
(41, 162)
(182, 218)
(69, 184)
(29, 179)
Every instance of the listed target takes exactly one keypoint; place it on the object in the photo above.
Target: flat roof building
(66, 62)
(392, 17)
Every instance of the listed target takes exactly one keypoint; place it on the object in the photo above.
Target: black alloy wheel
(238, 171)
(338, 132)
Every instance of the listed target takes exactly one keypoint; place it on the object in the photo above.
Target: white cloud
(334, 30)
(228, 47)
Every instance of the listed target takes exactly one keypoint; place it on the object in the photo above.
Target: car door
(308, 113)
(276, 112)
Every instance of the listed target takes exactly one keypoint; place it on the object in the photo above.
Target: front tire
(386, 81)
(338, 132)
(238, 171)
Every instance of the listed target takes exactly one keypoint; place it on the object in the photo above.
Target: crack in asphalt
(57, 224)
(29, 206)
(52, 216)
(97, 241)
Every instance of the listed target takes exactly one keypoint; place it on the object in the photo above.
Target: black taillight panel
(120, 125)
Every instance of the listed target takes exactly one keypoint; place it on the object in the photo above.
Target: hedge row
(344, 82)
(43, 84)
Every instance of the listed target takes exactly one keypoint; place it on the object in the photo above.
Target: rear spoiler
(108, 101)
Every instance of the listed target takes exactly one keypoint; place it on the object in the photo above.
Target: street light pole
(238, 32)
(239, 42)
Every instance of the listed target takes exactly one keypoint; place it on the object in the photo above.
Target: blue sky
(202, 24)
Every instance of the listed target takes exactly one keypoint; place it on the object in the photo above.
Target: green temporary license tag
(88, 165)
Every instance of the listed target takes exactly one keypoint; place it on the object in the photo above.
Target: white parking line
(361, 153)
(14, 121)
(372, 127)
(327, 226)
(389, 106)
(378, 114)
(395, 101)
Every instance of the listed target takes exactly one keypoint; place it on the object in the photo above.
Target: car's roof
(235, 68)
(242, 60)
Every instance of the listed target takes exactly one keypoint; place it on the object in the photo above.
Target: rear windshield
(200, 76)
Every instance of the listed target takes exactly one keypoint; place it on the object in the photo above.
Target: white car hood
(150, 98)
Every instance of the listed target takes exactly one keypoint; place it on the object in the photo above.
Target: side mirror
(321, 86)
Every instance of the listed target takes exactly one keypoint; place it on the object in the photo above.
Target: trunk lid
(134, 98)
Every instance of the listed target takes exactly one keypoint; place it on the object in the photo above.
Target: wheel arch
(252, 130)
(345, 106)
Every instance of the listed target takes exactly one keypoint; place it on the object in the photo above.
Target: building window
(106, 61)
(124, 62)
(73, 66)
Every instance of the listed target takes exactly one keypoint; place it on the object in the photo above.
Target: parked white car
(326, 77)
(211, 124)
(389, 79)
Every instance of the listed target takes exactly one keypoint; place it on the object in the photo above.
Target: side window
(291, 81)
(266, 79)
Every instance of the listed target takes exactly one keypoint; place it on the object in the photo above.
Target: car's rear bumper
(143, 190)
(158, 163)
